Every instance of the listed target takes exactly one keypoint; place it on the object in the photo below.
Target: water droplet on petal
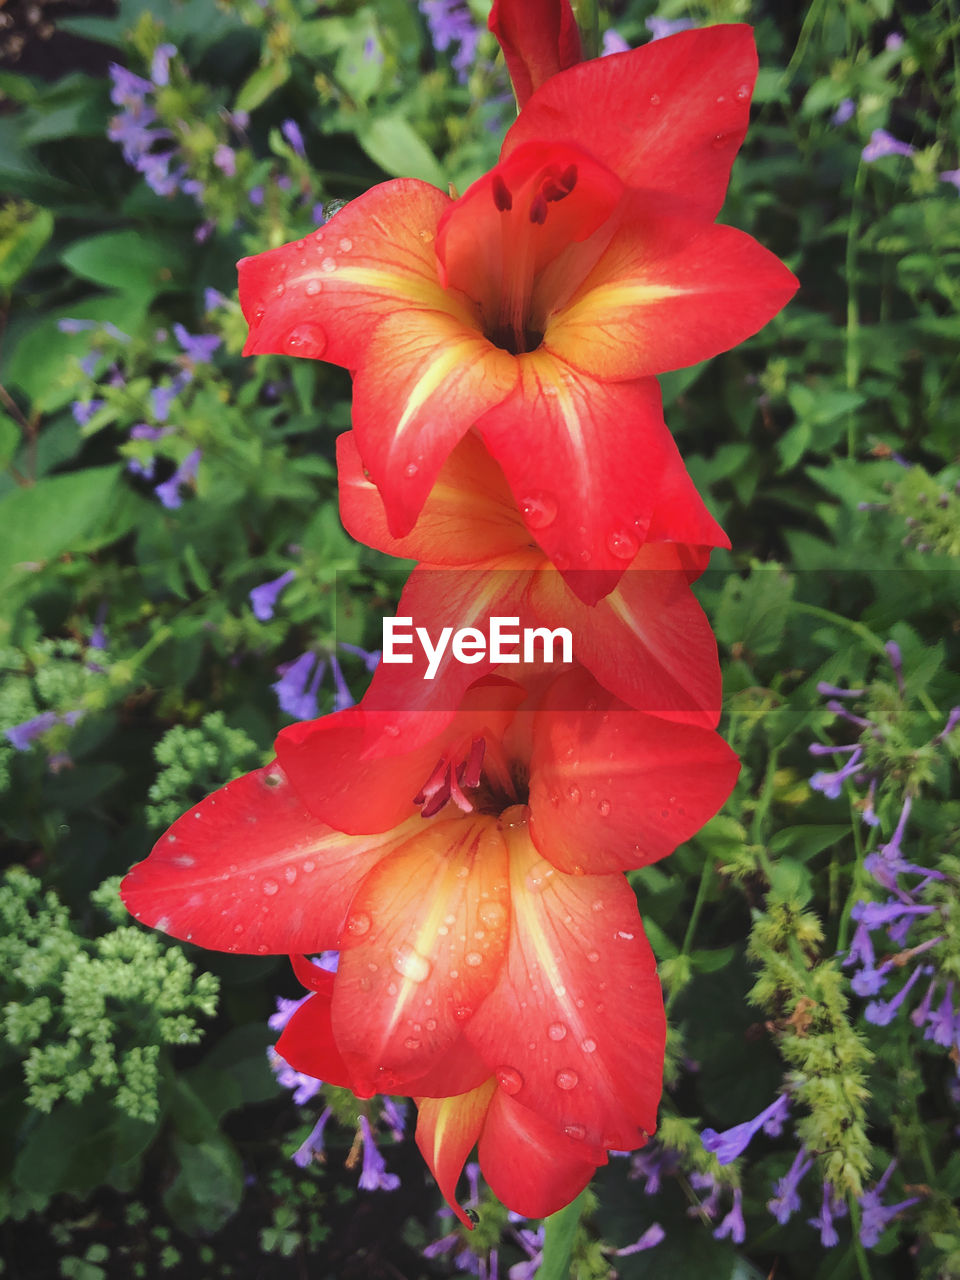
(411, 1044)
(539, 875)
(431, 1024)
(588, 1045)
(328, 265)
(539, 510)
(654, 99)
(290, 874)
(573, 795)
(603, 808)
(597, 904)
(306, 340)
(346, 244)
(280, 290)
(392, 730)
(462, 1012)
(623, 544)
(270, 887)
(556, 1030)
(509, 1079)
(259, 312)
(575, 1131)
(313, 288)
(593, 956)
(473, 958)
(743, 92)
(720, 99)
(567, 1079)
(411, 964)
(358, 923)
(410, 470)
(238, 928)
(492, 914)
(627, 937)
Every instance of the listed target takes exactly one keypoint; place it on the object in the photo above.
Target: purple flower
(831, 784)
(451, 23)
(76, 326)
(951, 175)
(161, 398)
(160, 66)
(291, 131)
(943, 1025)
(369, 657)
(830, 1208)
(733, 1142)
(313, 1143)
(82, 413)
(613, 42)
(786, 1197)
(893, 41)
(953, 719)
(653, 1236)
(22, 735)
(843, 112)
(882, 1012)
(835, 691)
(186, 473)
(225, 158)
(653, 1164)
(296, 692)
(316, 213)
(127, 90)
(213, 299)
(395, 1116)
(661, 27)
(884, 144)
(876, 914)
(896, 659)
(263, 599)
(255, 196)
(876, 1216)
(733, 1224)
(444, 1245)
(342, 697)
(373, 1174)
(198, 347)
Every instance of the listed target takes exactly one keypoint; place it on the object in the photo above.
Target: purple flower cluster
(451, 23)
(145, 142)
(300, 679)
(729, 1144)
(885, 144)
(186, 473)
(660, 28)
(22, 736)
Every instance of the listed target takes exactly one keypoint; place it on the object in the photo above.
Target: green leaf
(258, 87)
(23, 236)
(393, 144)
(559, 1236)
(752, 612)
(128, 261)
(60, 513)
(209, 1187)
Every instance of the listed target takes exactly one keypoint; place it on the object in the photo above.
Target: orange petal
(447, 1131)
(425, 940)
(574, 1028)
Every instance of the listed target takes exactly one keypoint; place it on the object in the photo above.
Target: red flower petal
(251, 869)
(531, 1168)
(424, 379)
(307, 1043)
(574, 1028)
(538, 39)
(668, 117)
(668, 292)
(469, 516)
(321, 296)
(648, 641)
(447, 1130)
(680, 515)
(612, 788)
(424, 942)
(588, 489)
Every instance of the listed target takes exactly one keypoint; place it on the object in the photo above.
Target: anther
(501, 194)
(538, 209)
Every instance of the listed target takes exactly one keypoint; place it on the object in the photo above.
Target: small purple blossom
(943, 1023)
(263, 599)
(369, 657)
(884, 144)
(729, 1144)
(83, 412)
(198, 347)
(613, 42)
(256, 196)
(296, 691)
(127, 90)
(786, 1196)
(373, 1174)
(952, 176)
(213, 299)
(830, 1208)
(313, 1143)
(653, 1236)
(342, 697)
(169, 491)
(876, 1216)
(831, 784)
(291, 131)
(844, 112)
(451, 23)
(835, 691)
(882, 1012)
(69, 325)
(896, 661)
(953, 719)
(160, 65)
(22, 735)
(893, 41)
(733, 1224)
(659, 28)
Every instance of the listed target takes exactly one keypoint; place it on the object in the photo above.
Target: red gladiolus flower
(538, 38)
(648, 641)
(470, 884)
(537, 306)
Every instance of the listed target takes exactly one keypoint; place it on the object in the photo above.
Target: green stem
(863, 1262)
(853, 308)
(706, 875)
(560, 1235)
(859, 628)
(806, 32)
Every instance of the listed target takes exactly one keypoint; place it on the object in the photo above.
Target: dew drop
(539, 509)
(462, 1012)
(301, 245)
(567, 1079)
(328, 265)
(358, 923)
(411, 1044)
(411, 964)
(593, 956)
(473, 958)
(270, 887)
(575, 1131)
(539, 875)
(280, 290)
(238, 929)
(313, 288)
(392, 730)
(346, 244)
(603, 808)
(492, 914)
(654, 99)
(573, 795)
(259, 313)
(290, 874)
(556, 1030)
(720, 99)
(309, 865)
(305, 339)
(623, 544)
(622, 933)
(410, 470)
(509, 1079)
(588, 1045)
(743, 92)
(597, 904)
(431, 1024)
(719, 141)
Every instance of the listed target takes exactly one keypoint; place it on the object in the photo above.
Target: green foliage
(194, 762)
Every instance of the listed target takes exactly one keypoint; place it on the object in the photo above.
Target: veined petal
(668, 117)
(668, 292)
(612, 788)
(425, 378)
(538, 39)
(574, 1028)
(469, 516)
(447, 1131)
(648, 641)
(322, 296)
(251, 869)
(530, 1167)
(588, 485)
(307, 1042)
(680, 515)
(423, 945)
